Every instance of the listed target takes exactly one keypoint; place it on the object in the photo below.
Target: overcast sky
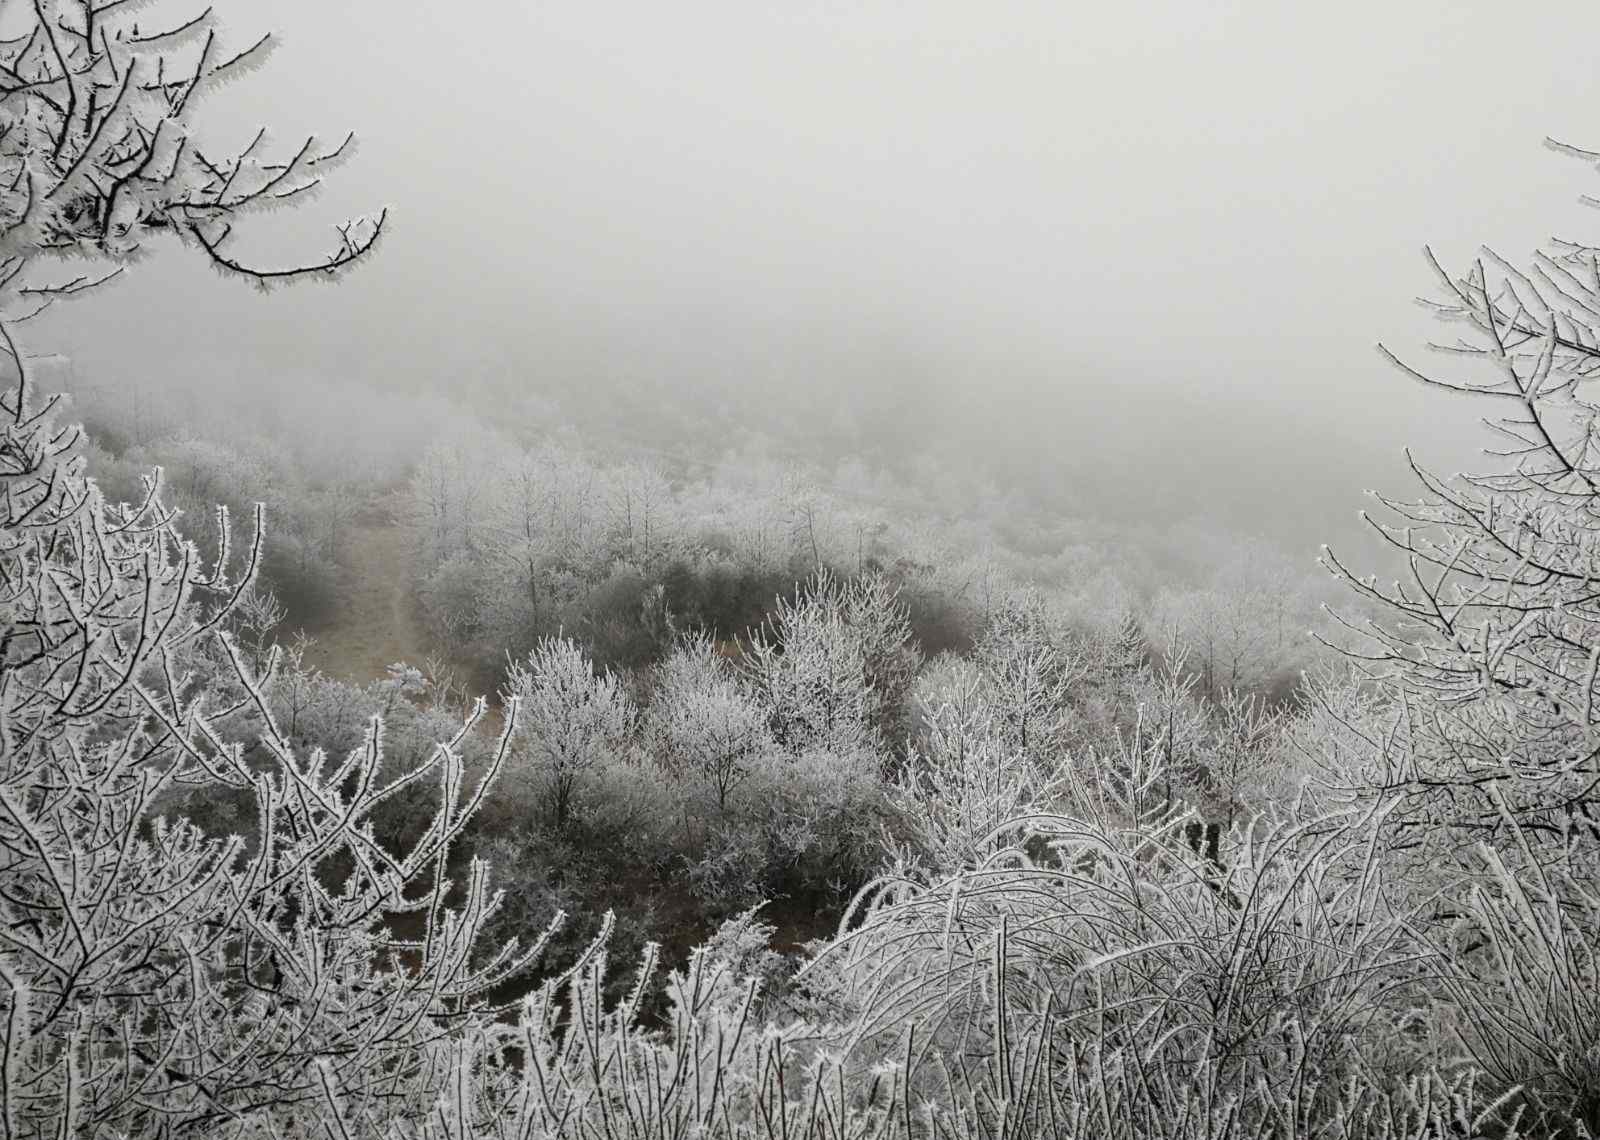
(1186, 222)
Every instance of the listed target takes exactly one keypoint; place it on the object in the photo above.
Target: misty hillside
(779, 590)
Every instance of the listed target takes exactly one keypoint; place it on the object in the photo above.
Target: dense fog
(1134, 261)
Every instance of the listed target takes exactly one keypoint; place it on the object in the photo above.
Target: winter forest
(460, 762)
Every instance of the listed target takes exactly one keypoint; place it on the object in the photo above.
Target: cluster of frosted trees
(222, 445)
(1243, 630)
(310, 520)
(515, 542)
(745, 772)
(160, 975)
(512, 544)
(1054, 953)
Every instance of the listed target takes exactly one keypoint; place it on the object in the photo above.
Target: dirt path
(375, 625)
(376, 622)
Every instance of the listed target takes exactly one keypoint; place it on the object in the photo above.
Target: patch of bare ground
(373, 623)
(376, 620)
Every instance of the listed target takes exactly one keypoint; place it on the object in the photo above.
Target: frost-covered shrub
(804, 827)
(822, 814)
(1240, 773)
(1242, 998)
(622, 619)
(1518, 947)
(544, 875)
(712, 593)
(834, 666)
(702, 724)
(452, 597)
(733, 867)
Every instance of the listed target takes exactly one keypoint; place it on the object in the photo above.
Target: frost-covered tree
(573, 721)
(98, 154)
(702, 721)
(1240, 756)
(642, 515)
(1491, 645)
(450, 492)
(807, 667)
(881, 624)
(1030, 676)
(961, 782)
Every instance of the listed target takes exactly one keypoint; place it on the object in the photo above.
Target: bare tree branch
(98, 154)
